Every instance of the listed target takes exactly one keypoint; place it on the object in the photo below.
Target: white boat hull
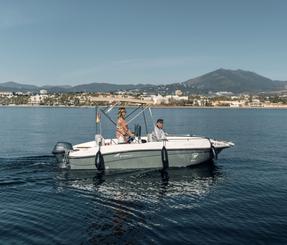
(181, 151)
(144, 159)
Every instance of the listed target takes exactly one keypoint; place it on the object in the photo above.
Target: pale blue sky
(139, 41)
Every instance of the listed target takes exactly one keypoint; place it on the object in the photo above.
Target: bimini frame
(141, 107)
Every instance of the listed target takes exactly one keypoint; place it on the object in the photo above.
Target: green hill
(236, 81)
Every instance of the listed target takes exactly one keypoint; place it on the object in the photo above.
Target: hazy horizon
(86, 83)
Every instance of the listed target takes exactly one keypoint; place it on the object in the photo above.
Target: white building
(178, 92)
(6, 94)
(177, 98)
(223, 93)
(159, 99)
(43, 91)
(37, 99)
(255, 103)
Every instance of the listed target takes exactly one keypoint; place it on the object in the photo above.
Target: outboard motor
(61, 151)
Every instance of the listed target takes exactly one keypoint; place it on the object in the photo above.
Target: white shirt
(158, 134)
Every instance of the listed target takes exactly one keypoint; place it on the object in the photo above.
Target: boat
(142, 152)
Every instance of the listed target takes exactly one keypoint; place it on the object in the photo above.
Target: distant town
(219, 88)
(218, 99)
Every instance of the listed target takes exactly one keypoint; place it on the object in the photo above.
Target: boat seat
(149, 138)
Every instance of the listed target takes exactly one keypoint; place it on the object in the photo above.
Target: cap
(159, 120)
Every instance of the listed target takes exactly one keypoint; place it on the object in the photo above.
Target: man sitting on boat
(123, 134)
(158, 134)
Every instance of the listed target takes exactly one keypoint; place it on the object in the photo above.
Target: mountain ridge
(235, 81)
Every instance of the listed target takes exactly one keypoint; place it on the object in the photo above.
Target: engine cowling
(61, 151)
(62, 148)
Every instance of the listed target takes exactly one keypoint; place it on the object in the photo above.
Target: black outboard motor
(61, 151)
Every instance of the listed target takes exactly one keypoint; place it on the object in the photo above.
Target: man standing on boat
(123, 134)
(158, 134)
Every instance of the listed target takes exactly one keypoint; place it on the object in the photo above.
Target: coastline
(152, 106)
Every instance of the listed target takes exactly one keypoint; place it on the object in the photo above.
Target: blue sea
(241, 198)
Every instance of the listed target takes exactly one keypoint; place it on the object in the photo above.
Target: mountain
(57, 89)
(14, 87)
(91, 87)
(236, 81)
(107, 87)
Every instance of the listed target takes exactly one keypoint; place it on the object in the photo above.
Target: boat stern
(61, 152)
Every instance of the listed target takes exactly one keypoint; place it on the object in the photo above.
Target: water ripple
(137, 207)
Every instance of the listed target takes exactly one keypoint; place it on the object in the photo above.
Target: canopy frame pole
(143, 109)
(111, 107)
(153, 122)
(108, 117)
(145, 123)
(133, 111)
(96, 119)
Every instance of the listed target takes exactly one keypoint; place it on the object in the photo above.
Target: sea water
(239, 199)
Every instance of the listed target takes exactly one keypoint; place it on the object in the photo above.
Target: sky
(70, 42)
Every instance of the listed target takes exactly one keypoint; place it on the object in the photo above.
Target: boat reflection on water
(195, 179)
(119, 203)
